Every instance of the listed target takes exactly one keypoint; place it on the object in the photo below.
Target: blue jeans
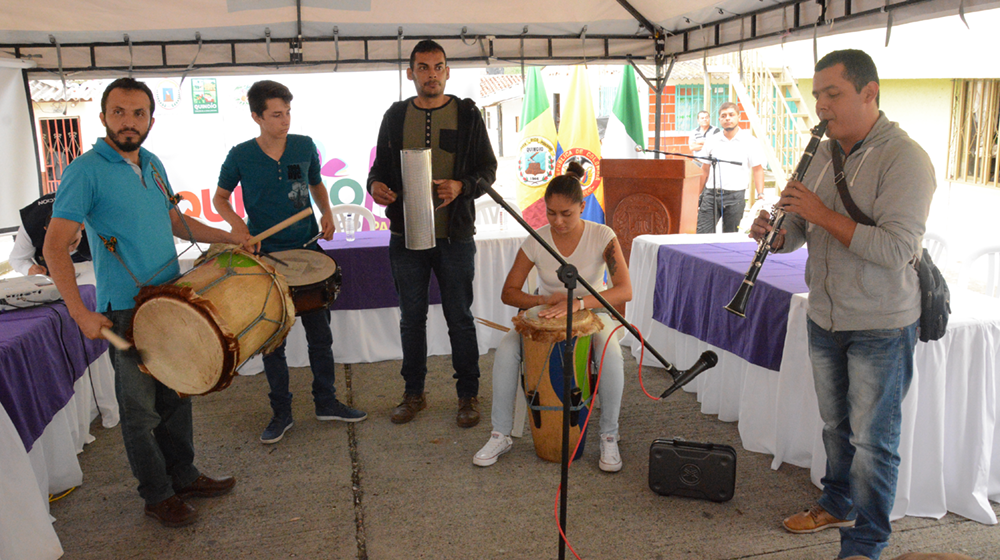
(731, 210)
(319, 340)
(861, 378)
(454, 264)
(156, 425)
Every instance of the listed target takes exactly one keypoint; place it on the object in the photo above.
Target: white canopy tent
(206, 35)
(110, 38)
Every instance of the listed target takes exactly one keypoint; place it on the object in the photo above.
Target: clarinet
(738, 305)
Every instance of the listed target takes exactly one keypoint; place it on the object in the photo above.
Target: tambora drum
(313, 277)
(543, 342)
(196, 332)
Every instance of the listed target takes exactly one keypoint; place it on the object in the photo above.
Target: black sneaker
(276, 429)
(339, 411)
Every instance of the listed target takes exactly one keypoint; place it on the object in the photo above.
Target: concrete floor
(381, 491)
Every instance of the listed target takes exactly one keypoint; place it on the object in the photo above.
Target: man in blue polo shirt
(120, 191)
(278, 171)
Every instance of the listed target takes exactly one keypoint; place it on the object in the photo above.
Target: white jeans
(507, 366)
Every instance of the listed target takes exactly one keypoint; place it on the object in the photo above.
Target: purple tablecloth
(694, 282)
(367, 276)
(42, 354)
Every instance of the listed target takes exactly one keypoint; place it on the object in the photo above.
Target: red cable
(583, 430)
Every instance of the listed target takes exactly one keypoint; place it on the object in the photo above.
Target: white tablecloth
(950, 447)
(372, 335)
(27, 479)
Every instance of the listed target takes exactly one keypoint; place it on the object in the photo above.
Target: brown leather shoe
(468, 412)
(408, 409)
(204, 487)
(172, 512)
(814, 519)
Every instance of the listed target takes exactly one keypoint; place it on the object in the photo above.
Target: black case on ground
(706, 471)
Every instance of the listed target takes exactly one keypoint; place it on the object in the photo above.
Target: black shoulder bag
(935, 298)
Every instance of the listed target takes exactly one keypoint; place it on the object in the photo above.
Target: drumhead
(303, 267)
(181, 346)
(549, 329)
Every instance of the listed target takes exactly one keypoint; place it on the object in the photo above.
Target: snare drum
(543, 343)
(196, 332)
(313, 277)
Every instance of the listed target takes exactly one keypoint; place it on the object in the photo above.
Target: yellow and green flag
(579, 141)
(536, 162)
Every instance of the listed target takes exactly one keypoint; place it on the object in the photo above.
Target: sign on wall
(204, 95)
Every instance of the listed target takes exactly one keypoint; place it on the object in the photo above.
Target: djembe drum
(196, 332)
(543, 343)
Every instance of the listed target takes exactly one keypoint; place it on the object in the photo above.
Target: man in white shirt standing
(724, 185)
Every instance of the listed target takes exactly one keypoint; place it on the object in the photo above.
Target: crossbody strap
(838, 169)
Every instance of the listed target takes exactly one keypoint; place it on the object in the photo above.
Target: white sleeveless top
(588, 258)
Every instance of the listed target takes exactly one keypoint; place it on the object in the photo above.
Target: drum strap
(111, 243)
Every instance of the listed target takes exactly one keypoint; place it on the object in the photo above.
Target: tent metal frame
(771, 22)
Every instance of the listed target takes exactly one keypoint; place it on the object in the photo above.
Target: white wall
(18, 175)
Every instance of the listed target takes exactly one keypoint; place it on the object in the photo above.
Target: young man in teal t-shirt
(278, 172)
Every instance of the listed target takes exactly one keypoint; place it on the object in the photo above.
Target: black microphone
(707, 360)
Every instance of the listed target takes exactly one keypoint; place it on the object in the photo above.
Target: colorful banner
(536, 161)
(624, 138)
(580, 142)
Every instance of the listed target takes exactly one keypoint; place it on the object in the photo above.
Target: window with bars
(690, 100)
(975, 132)
(61, 144)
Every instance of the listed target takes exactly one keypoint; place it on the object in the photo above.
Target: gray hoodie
(872, 284)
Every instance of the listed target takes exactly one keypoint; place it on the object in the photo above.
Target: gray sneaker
(276, 429)
(339, 411)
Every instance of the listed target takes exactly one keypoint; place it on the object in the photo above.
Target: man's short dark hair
(700, 113)
(260, 92)
(128, 84)
(729, 105)
(427, 46)
(859, 68)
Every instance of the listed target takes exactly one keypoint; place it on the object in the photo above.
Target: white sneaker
(611, 461)
(497, 446)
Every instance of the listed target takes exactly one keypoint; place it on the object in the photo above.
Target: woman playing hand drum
(592, 248)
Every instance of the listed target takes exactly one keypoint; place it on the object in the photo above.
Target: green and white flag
(625, 134)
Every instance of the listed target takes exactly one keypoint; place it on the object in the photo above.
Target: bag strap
(838, 169)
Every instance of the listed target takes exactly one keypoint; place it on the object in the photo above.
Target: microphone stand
(568, 275)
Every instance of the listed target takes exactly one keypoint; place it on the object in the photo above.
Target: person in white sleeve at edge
(592, 248)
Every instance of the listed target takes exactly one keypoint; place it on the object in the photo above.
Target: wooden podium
(650, 196)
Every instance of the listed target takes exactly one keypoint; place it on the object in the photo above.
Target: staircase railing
(775, 108)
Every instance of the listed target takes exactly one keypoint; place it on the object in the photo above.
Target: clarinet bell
(738, 305)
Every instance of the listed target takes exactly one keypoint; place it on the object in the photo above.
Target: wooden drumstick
(279, 226)
(122, 344)
(492, 325)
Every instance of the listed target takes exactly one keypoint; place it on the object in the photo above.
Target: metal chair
(341, 210)
(992, 254)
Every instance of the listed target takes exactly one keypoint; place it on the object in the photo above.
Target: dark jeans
(156, 425)
(731, 210)
(319, 340)
(454, 264)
